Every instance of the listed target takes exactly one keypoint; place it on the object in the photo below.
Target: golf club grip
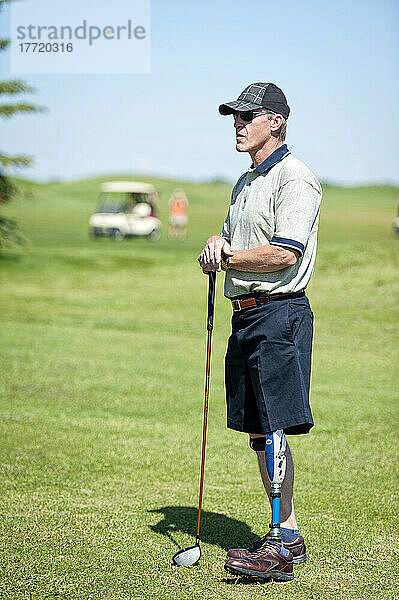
(211, 299)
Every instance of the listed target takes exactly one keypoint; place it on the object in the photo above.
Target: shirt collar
(271, 160)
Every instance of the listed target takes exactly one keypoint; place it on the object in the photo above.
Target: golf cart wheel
(154, 235)
(95, 232)
(117, 235)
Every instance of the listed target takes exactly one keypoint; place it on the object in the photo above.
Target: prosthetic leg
(276, 443)
(267, 558)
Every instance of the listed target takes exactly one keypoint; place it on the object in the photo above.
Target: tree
(11, 88)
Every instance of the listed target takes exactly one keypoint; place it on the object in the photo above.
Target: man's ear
(275, 122)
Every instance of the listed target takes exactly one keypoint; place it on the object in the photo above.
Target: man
(178, 205)
(267, 248)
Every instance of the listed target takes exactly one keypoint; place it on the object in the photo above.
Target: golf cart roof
(128, 186)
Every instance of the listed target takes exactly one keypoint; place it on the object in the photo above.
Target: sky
(337, 62)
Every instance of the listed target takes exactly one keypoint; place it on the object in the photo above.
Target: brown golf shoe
(265, 563)
(297, 549)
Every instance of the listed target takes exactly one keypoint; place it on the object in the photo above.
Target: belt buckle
(238, 302)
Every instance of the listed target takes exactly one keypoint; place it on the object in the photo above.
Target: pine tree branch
(3, 2)
(15, 161)
(15, 86)
(4, 44)
(9, 234)
(7, 110)
(8, 189)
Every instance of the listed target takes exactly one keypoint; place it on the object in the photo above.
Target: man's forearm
(264, 259)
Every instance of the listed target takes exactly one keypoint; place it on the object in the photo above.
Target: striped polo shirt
(276, 203)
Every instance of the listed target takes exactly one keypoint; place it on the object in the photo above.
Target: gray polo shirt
(277, 203)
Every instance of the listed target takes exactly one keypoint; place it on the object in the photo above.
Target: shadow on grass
(10, 258)
(216, 529)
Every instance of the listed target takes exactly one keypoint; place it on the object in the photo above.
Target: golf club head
(187, 557)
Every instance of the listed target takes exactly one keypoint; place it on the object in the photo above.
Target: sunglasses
(247, 115)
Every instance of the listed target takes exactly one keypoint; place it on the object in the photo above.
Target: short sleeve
(225, 233)
(297, 208)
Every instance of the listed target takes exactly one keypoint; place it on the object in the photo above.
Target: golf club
(191, 555)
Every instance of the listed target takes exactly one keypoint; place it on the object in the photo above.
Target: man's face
(252, 135)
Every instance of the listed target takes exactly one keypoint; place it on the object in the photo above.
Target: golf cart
(126, 209)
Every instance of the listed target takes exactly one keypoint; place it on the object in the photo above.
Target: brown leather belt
(259, 299)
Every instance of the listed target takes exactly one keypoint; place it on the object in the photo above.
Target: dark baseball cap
(258, 95)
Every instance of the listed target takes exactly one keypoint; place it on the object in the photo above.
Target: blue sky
(338, 64)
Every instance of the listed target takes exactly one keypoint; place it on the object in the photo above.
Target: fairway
(102, 375)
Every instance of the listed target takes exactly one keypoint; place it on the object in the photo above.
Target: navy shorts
(267, 368)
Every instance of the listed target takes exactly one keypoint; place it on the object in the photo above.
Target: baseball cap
(258, 95)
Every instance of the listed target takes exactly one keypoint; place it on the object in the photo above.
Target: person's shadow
(216, 529)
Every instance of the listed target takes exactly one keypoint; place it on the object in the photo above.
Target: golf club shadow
(216, 529)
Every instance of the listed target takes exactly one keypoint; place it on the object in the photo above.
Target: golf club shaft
(211, 301)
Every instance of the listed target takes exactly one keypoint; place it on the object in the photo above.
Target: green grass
(102, 371)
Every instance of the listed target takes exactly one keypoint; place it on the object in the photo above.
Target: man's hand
(210, 258)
